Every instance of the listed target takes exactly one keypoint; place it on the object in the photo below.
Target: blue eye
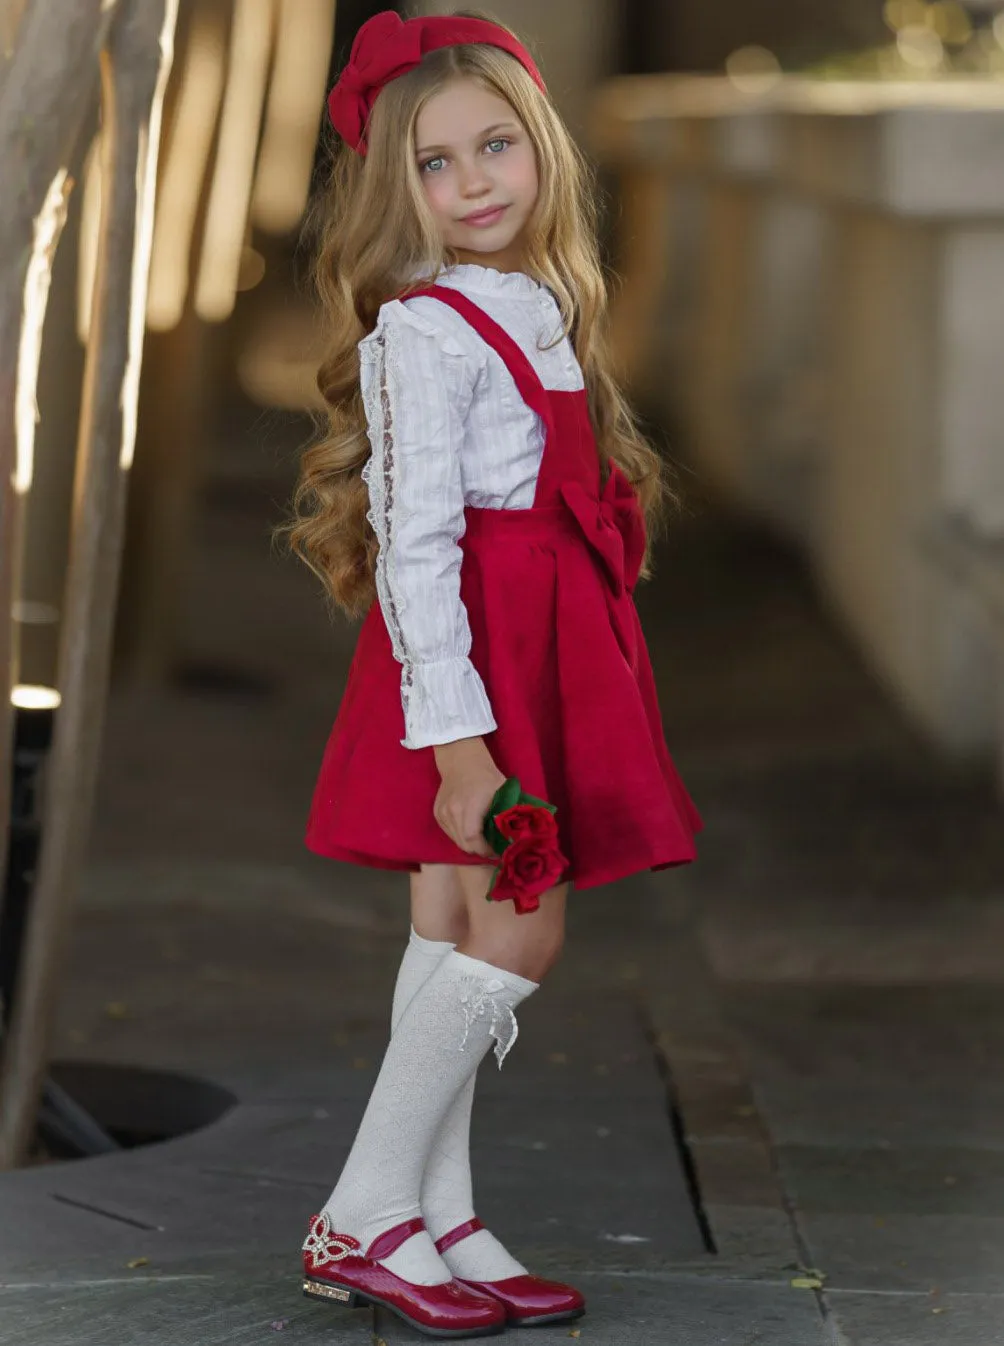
(501, 142)
(428, 165)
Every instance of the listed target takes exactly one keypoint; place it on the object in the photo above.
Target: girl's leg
(438, 921)
(438, 903)
(527, 945)
(439, 1041)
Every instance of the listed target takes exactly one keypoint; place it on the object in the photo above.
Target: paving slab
(920, 1320)
(249, 1306)
(913, 1253)
(854, 1111)
(895, 1180)
(593, 1169)
(255, 1301)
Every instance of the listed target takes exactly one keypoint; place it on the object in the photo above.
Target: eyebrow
(495, 126)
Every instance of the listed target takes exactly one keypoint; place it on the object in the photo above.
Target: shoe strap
(455, 1235)
(391, 1239)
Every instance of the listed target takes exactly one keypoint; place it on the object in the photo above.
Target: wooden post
(46, 81)
(134, 69)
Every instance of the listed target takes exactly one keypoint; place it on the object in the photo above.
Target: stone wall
(811, 291)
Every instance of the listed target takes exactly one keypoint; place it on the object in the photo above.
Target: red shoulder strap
(532, 391)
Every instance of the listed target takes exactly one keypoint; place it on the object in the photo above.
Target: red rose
(527, 820)
(528, 868)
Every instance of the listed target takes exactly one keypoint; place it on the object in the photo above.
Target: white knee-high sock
(447, 1191)
(448, 1199)
(438, 1044)
(421, 958)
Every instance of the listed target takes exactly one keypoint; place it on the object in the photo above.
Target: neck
(509, 259)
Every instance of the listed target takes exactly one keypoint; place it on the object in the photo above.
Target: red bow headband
(386, 47)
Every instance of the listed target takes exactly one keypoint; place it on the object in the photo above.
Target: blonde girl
(485, 500)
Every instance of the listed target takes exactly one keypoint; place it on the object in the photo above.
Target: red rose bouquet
(522, 831)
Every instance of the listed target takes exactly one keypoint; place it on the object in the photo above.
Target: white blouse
(448, 428)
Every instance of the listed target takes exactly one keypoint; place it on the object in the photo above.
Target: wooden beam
(134, 68)
(47, 79)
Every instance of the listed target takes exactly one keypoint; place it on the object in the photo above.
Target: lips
(485, 217)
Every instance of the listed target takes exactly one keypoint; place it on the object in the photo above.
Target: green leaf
(504, 797)
(492, 835)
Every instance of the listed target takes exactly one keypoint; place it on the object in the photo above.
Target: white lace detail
(382, 506)
(478, 999)
(486, 280)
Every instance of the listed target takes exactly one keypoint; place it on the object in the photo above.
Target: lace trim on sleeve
(381, 512)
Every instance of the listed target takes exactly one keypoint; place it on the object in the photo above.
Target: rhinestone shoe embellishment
(323, 1245)
(334, 1292)
(479, 999)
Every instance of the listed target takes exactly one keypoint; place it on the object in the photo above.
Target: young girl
(476, 427)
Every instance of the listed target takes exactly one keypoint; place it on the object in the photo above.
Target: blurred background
(804, 223)
(802, 217)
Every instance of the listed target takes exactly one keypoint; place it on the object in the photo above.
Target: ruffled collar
(486, 280)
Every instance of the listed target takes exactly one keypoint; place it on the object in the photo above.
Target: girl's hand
(469, 781)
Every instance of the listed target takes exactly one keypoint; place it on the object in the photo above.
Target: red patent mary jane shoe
(528, 1300)
(337, 1270)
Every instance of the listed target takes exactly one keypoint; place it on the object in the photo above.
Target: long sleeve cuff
(443, 701)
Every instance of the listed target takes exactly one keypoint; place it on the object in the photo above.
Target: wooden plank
(46, 80)
(134, 69)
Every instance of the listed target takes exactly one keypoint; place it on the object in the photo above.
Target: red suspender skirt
(556, 639)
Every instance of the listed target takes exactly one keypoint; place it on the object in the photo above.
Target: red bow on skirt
(613, 525)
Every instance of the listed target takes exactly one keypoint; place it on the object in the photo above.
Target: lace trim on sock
(478, 1000)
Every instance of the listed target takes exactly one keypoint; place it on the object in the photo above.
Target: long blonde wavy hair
(376, 234)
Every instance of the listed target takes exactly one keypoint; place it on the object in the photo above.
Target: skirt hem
(594, 879)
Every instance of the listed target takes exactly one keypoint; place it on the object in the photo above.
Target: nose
(474, 180)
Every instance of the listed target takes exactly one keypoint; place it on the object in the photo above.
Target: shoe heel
(333, 1294)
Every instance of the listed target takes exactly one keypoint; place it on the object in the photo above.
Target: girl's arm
(417, 385)
(469, 779)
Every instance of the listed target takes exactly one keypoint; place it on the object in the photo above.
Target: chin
(489, 248)
(489, 242)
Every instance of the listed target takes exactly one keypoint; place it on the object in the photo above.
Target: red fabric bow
(387, 47)
(613, 525)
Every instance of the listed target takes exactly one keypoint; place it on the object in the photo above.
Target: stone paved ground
(816, 1005)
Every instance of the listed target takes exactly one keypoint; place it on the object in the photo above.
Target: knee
(525, 947)
(546, 953)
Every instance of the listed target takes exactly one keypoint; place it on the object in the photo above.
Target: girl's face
(479, 171)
